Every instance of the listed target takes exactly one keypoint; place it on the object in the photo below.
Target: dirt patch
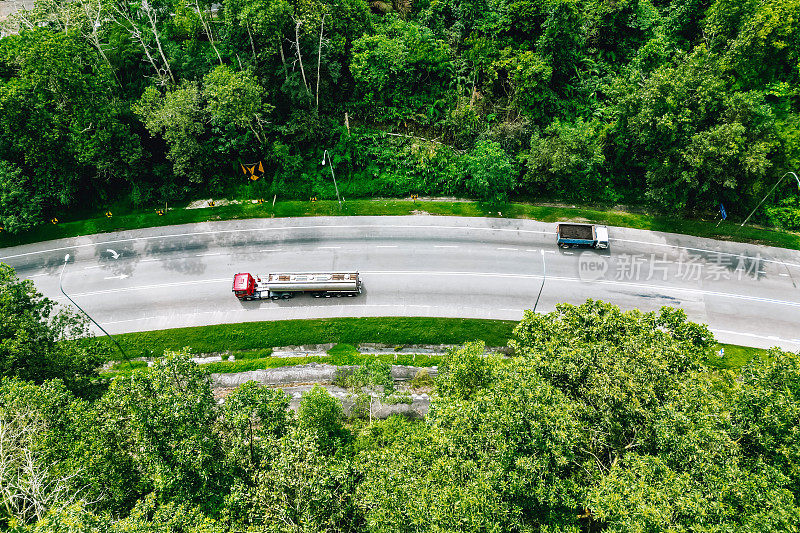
(201, 204)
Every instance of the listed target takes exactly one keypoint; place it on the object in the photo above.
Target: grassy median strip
(146, 219)
(259, 335)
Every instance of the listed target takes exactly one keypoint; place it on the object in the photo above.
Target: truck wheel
(316, 295)
(276, 297)
(350, 294)
(563, 245)
(285, 296)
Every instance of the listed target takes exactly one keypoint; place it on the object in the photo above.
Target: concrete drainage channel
(295, 380)
(318, 350)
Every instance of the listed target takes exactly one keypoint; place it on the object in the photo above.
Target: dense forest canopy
(599, 420)
(675, 104)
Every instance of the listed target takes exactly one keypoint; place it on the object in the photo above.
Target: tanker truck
(282, 286)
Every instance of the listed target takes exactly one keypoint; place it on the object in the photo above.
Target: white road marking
(638, 286)
(326, 307)
(784, 275)
(531, 250)
(157, 286)
(570, 253)
(37, 275)
(150, 260)
(755, 336)
(387, 246)
(130, 320)
(512, 249)
(328, 247)
(632, 285)
(91, 267)
(271, 250)
(209, 254)
(445, 246)
(744, 256)
(359, 226)
(279, 228)
(121, 276)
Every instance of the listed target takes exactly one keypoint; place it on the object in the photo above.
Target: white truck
(282, 286)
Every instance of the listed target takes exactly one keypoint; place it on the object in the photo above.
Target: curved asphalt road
(416, 266)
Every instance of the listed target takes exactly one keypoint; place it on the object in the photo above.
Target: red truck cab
(244, 286)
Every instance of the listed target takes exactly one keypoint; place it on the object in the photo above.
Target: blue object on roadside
(722, 211)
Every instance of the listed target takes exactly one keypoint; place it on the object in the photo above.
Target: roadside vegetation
(666, 105)
(601, 419)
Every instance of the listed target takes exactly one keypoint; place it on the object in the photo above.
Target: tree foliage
(38, 344)
(598, 419)
(676, 105)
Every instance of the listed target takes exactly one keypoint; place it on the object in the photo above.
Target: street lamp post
(544, 277)
(60, 286)
(770, 192)
(324, 153)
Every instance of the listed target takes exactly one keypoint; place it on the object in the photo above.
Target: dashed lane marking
(278, 228)
(628, 284)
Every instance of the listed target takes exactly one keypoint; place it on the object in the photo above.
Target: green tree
(179, 116)
(38, 344)
(20, 207)
(37, 436)
(489, 173)
(321, 415)
(464, 371)
(164, 419)
(401, 73)
(252, 417)
(304, 488)
(151, 516)
(235, 102)
(568, 160)
(60, 123)
(766, 411)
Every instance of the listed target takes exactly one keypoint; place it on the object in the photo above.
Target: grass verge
(735, 356)
(252, 342)
(260, 335)
(137, 220)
